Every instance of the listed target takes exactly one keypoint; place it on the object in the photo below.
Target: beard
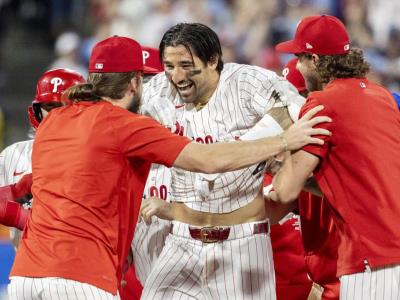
(135, 104)
(313, 82)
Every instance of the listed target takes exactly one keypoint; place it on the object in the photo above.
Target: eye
(187, 66)
(168, 67)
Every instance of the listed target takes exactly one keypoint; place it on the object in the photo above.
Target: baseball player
(15, 160)
(84, 213)
(318, 232)
(148, 239)
(357, 175)
(219, 242)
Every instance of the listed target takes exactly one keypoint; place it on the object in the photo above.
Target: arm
(290, 180)
(223, 157)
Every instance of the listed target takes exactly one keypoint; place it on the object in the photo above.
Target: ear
(213, 63)
(135, 83)
(315, 58)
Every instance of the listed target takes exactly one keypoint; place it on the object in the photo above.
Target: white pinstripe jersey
(244, 94)
(15, 161)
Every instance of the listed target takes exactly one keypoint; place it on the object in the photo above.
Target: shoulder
(160, 86)
(17, 148)
(247, 72)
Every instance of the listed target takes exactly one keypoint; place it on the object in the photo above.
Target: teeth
(185, 87)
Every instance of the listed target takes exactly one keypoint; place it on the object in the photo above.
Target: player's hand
(301, 132)
(155, 207)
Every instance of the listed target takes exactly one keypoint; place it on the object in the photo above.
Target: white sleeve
(264, 90)
(157, 100)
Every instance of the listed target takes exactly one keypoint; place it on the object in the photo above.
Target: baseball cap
(318, 35)
(117, 54)
(151, 59)
(291, 74)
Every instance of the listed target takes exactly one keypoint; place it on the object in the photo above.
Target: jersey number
(159, 192)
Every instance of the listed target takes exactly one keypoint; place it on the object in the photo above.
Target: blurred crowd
(40, 34)
(248, 29)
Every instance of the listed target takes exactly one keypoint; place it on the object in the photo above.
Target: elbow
(285, 195)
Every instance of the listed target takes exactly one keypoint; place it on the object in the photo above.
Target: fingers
(320, 131)
(315, 141)
(308, 115)
(317, 120)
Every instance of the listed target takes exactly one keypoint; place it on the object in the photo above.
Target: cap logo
(308, 46)
(146, 55)
(285, 72)
(55, 81)
(98, 66)
(346, 47)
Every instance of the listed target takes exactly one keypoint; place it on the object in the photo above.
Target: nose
(178, 74)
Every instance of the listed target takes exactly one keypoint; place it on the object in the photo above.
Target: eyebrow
(180, 62)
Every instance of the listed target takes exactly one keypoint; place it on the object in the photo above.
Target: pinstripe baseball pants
(240, 267)
(376, 284)
(51, 288)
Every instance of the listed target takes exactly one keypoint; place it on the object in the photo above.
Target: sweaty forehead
(178, 54)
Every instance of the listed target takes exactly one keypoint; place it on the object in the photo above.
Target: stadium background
(36, 35)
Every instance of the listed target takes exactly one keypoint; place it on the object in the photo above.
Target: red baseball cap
(151, 59)
(117, 54)
(318, 35)
(291, 74)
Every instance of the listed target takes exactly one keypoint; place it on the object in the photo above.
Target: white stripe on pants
(54, 288)
(238, 268)
(378, 284)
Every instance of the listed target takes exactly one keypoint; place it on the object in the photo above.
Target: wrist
(284, 143)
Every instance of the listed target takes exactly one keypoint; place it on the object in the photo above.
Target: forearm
(286, 186)
(224, 157)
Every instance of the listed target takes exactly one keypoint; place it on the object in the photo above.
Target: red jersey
(90, 162)
(320, 243)
(292, 282)
(359, 170)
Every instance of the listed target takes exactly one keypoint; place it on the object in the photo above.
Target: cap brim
(150, 70)
(288, 47)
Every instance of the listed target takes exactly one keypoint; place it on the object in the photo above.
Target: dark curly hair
(349, 65)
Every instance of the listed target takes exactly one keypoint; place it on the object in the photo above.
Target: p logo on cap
(324, 35)
(151, 59)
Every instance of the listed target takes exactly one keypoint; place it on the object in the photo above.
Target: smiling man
(358, 166)
(219, 244)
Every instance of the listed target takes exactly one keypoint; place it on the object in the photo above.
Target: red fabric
(117, 54)
(293, 75)
(320, 242)
(22, 187)
(292, 282)
(320, 35)
(133, 289)
(12, 214)
(90, 162)
(151, 59)
(359, 170)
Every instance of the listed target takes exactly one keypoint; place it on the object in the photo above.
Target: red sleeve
(318, 150)
(145, 138)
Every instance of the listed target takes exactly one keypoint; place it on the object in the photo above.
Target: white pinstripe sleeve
(264, 90)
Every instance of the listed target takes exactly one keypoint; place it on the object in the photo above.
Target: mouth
(186, 90)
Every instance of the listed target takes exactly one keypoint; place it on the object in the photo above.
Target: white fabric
(51, 288)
